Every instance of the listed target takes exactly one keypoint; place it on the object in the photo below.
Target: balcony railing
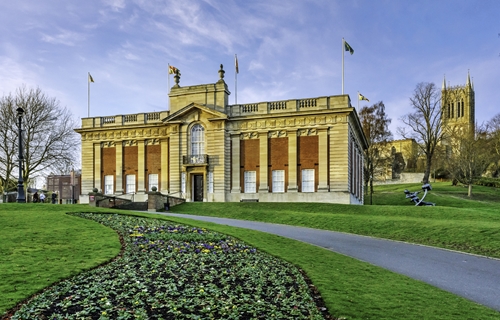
(195, 159)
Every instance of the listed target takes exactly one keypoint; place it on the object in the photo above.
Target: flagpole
(358, 100)
(343, 45)
(168, 97)
(88, 95)
(235, 79)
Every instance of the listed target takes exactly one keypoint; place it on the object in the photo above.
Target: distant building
(398, 156)
(204, 149)
(67, 187)
(457, 114)
(458, 106)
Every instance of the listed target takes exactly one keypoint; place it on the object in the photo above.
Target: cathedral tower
(458, 105)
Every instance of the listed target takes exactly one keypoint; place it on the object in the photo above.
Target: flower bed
(177, 272)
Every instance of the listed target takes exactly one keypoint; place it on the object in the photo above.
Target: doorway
(197, 187)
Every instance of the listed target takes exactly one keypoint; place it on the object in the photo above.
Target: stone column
(292, 161)
(97, 166)
(119, 168)
(141, 168)
(323, 160)
(164, 174)
(174, 160)
(235, 163)
(263, 148)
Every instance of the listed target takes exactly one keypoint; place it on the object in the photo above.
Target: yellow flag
(362, 97)
(90, 78)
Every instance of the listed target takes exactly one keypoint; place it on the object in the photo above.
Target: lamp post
(20, 187)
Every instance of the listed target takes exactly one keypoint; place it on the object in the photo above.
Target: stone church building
(204, 149)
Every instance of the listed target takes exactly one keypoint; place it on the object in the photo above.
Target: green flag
(348, 47)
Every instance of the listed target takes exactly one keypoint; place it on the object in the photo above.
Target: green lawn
(455, 223)
(350, 288)
(42, 245)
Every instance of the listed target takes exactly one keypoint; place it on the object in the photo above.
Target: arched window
(197, 140)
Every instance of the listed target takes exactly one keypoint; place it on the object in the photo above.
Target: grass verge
(471, 227)
(353, 289)
(41, 245)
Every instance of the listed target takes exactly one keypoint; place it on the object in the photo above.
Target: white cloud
(116, 5)
(65, 37)
(15, 74)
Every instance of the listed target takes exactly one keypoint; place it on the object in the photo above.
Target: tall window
(308, 180)
(250, 181)
(278, 180)
(197, 140)
(153, 181)
(210, 182)
(130, 185)
(183, 182)
(108, 184)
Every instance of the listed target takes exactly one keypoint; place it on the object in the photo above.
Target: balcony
(195, 159)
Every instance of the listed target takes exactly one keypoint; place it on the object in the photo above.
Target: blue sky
(286, 50)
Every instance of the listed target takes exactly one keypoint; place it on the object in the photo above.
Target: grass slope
(42, 245)
(350, 288)
(469, 226)
(353, 289)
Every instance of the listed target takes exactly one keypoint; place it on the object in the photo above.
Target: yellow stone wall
(329, 121)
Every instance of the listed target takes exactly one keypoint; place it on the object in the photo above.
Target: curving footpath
(473, 277)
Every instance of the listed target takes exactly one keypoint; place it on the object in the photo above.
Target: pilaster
(97, 166)
(141, 167)
(119, 168)
(263, 161)
(235, 163)
(175, 156)
(164, 147)
(323, 160)
(292, 161)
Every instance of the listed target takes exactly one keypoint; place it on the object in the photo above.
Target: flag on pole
(236, 64)
(348, 47)
(90, 78)
(362, 97)
(172, 70)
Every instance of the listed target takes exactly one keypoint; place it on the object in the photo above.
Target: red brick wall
(278, 159)
(153, 163)
(130, 164)
(108, 164)
(308, 157)
(249, 160)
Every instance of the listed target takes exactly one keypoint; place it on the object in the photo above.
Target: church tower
(458, 105)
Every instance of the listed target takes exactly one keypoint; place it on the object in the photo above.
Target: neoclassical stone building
(204, 149)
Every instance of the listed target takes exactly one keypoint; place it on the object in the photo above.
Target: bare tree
(493, 130)
(8, 145)
(375, 125)
(466, 161)
(425, 122)
(50, 143)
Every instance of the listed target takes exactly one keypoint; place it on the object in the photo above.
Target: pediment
(192, 112)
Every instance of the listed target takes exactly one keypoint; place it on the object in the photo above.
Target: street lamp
(20, 187)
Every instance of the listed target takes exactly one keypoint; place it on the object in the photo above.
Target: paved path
(473, 277)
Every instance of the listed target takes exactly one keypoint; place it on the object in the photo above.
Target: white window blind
(278, 180)
(308, 180)
(153, 181)
(108, 184)
(130, 183)
(250, 181)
